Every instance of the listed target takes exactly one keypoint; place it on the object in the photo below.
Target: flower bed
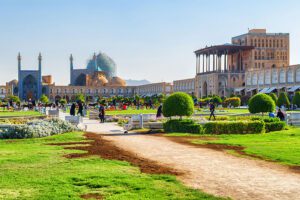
(36, 128)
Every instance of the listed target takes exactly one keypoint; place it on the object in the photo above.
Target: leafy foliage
(234, 127)
(274, 97)
(178, 104)
(261, 103)
(44, 99)
(232, 101)
(182, 126)
(80, 97)
(283, 100)
(296, 99)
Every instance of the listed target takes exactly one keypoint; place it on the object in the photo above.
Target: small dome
(97, 79)
(116, 81)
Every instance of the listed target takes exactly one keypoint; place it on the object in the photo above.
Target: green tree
(14, 98)
(80, 97)
(261, 103)
(178, 104)
(274, 97)
(296, 99)
(63, 102)
(44, 99)
(283, 100)
(216, 100)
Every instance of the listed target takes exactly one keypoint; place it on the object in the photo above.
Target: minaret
(19, 76)
(71, 69)
(95, 61)
(39, 76)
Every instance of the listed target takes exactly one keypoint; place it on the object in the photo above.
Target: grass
(19, 113)
(224, 111)
(280, 146)
(30, 169)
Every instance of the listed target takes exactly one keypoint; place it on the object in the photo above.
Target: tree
(296, 99)
(63, 102)
(216, 100)
(283, 100)
(178, 104)
(44, 99)
(14, 98)
(261, 103)
(274, 97)
(80, 98)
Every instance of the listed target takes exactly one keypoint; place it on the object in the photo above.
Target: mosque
(96, 80)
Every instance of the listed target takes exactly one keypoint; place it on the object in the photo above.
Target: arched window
(254, 79)
(274, 76)
(268, 77)
(290, 77)
(260, 78)
(282, 76)
(298, 75)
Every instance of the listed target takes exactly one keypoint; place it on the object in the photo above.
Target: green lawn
(131, 112)
(280, 146)
(19, 113)
(30, 169)
(224, 111)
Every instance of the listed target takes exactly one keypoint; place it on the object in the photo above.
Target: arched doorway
(30, 88)
(81, 80)
(204, 89)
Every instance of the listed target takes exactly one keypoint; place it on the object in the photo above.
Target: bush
(219, 118)
(182, 126)
(216, 100)
(274, 97)
(63, 101)
(275, 126)
(178, 104)
(37, 128)
(234, 127)
(232, 101)
(261, 103)
(296, 99)
(44, 99)
(283, 100)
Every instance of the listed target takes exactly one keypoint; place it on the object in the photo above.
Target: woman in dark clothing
(72, 109)
(80, 109)
(102, 113)
(280, 115)
(159, 112)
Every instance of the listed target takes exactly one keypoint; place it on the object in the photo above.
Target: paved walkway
(209, 170)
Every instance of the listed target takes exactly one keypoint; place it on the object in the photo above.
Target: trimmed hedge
(182, 126)
(275, 126)
(232, 101)
(231, 127)
(261, 103)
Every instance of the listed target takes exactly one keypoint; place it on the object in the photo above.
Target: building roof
(230, 48)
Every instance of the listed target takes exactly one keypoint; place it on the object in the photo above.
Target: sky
(148, 39)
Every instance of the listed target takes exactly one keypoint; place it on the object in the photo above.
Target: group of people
(73, 109)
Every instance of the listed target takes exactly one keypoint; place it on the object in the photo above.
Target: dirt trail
(212, 171)
(216, 172)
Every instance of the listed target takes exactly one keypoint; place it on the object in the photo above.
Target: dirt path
(209, 170)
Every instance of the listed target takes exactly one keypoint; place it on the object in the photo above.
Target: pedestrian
(102, 113)
(212, 111)
(80, 109)
(280, 115)
(159, 112)
(72, 109)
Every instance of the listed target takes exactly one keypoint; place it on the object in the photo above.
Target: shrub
(261, 103)
(232, 101)
(80, 98)
(219, 118)
(63, 101)
(234, 127)
(37, 128)
(283, 100)
(178, 104)
(182, 126)
(274, 97)
(216, 100)
(296, 99)
(44, 99)
(275, 126)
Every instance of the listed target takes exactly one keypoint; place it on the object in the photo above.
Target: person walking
(159, 112)
(212, 110)
(72, 109)
(102, 113)
(280, 115)
(80, 109)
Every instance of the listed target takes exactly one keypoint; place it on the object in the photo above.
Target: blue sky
(152, 39)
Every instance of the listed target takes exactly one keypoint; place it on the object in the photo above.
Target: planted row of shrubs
(224, 127)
